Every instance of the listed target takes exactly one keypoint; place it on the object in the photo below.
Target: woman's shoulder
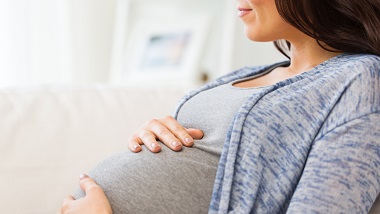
(356, 62)
(362, 69)
(359, 87)
(352, 71)
(360, 56)
(361, 72)
(351, 82)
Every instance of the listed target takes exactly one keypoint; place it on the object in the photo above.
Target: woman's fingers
(66, 204)
(166, 130)
(167, 137)
(134, 143)
(95, 200)
(88, 184)
(195, 133)
(149, 139)
(90, 187)
(178, 131)
(69, 198)
(157, 129)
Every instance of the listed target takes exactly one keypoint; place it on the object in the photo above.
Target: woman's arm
(342, 173)
(95, 201)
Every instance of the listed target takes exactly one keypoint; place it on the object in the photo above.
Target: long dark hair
(342, 25)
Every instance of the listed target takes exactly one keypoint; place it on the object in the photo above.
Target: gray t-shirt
(174, 182)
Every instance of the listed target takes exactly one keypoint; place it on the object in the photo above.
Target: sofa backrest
(51, 134)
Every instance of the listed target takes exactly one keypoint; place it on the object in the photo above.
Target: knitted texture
(308, 144)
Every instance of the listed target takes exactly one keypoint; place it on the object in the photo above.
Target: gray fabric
(308, 144)
(170, 182)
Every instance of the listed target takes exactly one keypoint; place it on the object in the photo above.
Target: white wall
(55, 41)
(73, 41)
(30, 42)
(226, 49)
(91, 25)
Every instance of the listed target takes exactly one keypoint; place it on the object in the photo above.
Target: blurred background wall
(55, 41)
(82, 41)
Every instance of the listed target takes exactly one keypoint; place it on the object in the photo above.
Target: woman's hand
(95, 201)
(168, 131)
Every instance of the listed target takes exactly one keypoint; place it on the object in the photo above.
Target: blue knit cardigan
(308, 144)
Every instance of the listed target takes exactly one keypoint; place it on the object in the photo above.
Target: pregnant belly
(167, 182)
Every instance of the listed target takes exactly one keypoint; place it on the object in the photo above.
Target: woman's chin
(256, 36)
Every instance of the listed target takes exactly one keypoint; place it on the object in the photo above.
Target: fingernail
(83, 176)
(175, 143)
(135, 146)
(154, 145)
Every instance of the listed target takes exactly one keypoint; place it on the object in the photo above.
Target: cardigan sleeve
(342, 172)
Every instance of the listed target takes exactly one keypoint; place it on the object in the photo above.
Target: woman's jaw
(262, 22)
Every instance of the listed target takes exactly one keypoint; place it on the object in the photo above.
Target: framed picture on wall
(166, 53)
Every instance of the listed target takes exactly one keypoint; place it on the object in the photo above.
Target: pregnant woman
(300, 136)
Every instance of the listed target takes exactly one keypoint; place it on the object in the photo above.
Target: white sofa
(51, 134)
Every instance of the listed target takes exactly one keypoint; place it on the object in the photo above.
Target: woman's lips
(243, 11)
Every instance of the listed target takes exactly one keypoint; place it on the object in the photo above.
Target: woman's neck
(306, 54)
